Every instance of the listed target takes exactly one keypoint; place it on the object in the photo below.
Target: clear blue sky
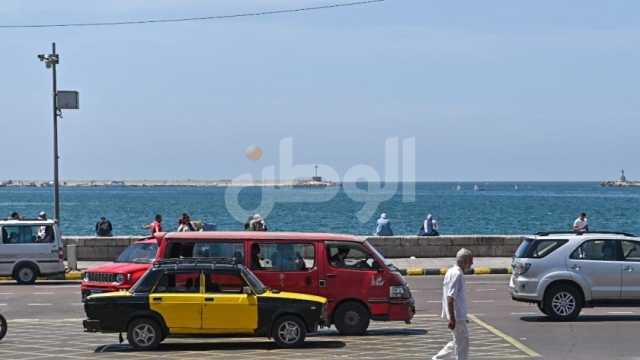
(492, 90)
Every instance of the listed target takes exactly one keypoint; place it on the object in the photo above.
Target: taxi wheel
(289, 332)
(3, 327)
(541, 308)
(352, 319)
(144, 334)
(26, 275)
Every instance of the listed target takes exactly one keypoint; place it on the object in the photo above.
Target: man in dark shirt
(104, 228)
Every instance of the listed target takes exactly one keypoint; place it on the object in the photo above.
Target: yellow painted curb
(415, 271)
(443, 271)
(73, 275)
(520, 346)
(481, 271)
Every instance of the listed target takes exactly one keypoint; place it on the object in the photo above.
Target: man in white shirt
(454, 308)
(581, 225)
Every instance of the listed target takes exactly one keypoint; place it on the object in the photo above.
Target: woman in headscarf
(383, 226)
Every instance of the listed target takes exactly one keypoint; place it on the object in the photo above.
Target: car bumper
(523, 290)
(91, 325)
(398, 310)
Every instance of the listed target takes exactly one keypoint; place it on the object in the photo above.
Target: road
(45, 322)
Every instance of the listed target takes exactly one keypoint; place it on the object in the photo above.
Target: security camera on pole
(61, 100)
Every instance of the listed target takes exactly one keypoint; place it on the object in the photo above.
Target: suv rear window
(537, 249)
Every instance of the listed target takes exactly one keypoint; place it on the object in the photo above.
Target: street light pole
(51, 61)
(56, 157)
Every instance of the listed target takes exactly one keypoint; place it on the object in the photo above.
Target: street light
(50, 62)
(61, 100)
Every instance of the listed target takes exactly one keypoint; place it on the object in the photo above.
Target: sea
(460, 208)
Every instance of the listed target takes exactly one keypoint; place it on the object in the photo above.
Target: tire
(352, 318)
(289, 332)
(563, 302)
(144, 334)
(3, 327)
(541, 308)
(26, 274)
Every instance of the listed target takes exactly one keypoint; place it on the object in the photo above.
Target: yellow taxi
(203, 296)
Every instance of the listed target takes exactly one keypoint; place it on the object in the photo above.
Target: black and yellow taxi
(192, 297)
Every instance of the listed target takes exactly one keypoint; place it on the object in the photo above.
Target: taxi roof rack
(547, 233)
(197, 261)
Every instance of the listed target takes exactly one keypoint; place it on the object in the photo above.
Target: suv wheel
(352, 319)
(289, 332)
(26, 274)
(3, 327)
(541, 308)
(144, 334)
(563, 302)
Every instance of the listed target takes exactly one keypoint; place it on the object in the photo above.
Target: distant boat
(458, 188)
(476, 188)
(515, 187)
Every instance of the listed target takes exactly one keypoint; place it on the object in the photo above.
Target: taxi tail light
(60, 254)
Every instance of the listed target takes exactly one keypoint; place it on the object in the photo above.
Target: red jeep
(356, 279)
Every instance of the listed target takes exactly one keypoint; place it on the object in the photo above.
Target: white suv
(31, 248)
(564, 272)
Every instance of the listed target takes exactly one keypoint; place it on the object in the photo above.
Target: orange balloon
(253, 153)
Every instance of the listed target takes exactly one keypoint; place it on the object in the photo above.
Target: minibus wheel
(26, 274)
(352, 318)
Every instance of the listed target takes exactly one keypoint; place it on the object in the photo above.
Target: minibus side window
(27, 234)
(282, 256)
(349, 256)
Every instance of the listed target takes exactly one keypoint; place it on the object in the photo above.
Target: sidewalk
(412, 267)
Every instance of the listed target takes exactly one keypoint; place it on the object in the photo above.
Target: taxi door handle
(157, 299)
(331, 275)
(209, 299)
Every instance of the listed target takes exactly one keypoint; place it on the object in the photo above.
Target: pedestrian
(156, 225)
(383, 226)
(185, 224)
(454, 308)
(15, 216)
(257, 223)
(429, 227)
(45, 233)
(581, 224)
(104, 227)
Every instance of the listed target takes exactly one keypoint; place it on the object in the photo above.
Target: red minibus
(356, 279)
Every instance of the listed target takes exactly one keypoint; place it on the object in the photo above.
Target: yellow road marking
(506, 337)
(415, 271)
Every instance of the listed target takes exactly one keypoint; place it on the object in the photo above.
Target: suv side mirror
(247, 290)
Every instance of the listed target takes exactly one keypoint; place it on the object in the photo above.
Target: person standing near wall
(454, 308)
(104, 227)
(156, 225)
(383, 226)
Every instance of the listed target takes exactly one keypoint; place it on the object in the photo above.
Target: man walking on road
(454, 308)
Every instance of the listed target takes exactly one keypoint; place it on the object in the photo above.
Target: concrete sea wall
(90, 248)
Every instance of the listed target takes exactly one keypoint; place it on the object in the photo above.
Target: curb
(437, 272)
(71, 275)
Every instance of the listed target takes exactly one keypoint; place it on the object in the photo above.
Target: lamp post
(50, 62)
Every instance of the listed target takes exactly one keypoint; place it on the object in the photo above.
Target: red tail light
(60, 254)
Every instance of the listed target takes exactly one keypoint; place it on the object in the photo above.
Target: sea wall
(90, 248)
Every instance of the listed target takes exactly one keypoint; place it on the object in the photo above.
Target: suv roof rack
(213, 261)
(547, 233)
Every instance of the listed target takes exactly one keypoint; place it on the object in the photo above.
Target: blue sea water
(499, 208)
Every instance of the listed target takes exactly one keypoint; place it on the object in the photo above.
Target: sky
(490, 90)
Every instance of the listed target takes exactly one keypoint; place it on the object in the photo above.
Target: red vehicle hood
(119, 268)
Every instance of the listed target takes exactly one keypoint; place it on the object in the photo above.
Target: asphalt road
(45, 319)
